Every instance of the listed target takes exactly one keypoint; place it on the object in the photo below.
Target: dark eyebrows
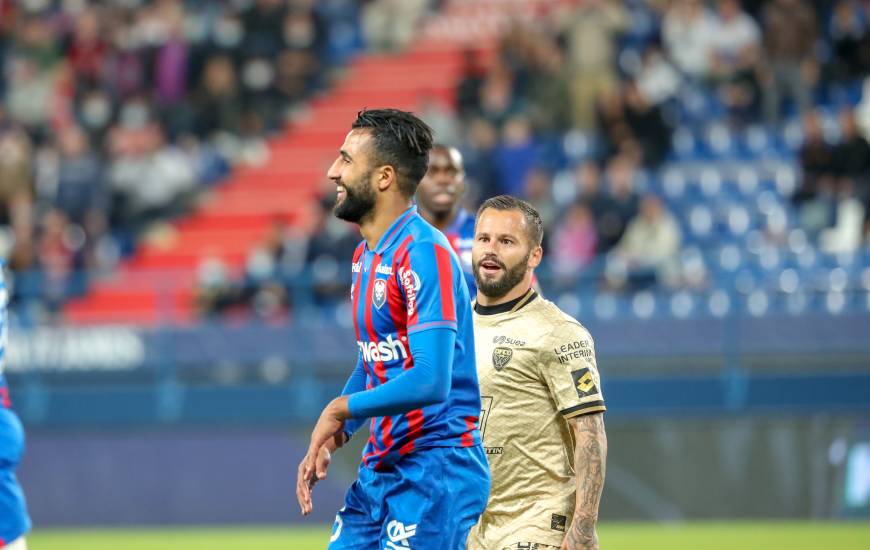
(345, 155)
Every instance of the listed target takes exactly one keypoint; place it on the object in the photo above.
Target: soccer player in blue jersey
(439, 198)
(14, 522)
(424, 480)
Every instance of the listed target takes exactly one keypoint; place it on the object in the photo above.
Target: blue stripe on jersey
(412, 281)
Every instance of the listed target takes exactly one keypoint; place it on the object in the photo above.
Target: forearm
(590, 458)
(427, 383)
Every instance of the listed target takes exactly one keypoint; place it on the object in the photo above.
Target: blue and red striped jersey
(411, 282)
(460, 234)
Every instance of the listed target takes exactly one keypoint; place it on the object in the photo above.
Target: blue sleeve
(428, 274)
(427, 383)
(356, 383)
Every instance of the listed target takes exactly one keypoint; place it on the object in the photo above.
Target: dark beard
(359, 201)
(496, 288)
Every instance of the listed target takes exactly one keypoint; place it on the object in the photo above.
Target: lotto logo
(399, 533)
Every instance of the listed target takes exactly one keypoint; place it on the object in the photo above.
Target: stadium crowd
(118, 115)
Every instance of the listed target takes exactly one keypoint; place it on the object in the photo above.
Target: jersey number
(485, 408)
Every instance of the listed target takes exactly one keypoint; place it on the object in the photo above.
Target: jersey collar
(393, 232)
(512, 306)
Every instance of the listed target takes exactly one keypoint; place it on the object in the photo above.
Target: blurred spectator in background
(613, 213)
(649, 137)
(217, 101)
(648, 248)
(591, 28)
(849, 29)
(332, 242)
(736, 50)
(537, 191)
(790, 33)
(549, 88)
(816, 159)
(658, 82)
(150, 179)
(687, 31)
(575, 242)
(16, 194)
(390, 24)
(515, 156)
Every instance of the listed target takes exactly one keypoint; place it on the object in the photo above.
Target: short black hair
(534, 225)
(401, 140)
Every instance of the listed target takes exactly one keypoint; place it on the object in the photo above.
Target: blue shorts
(14, 521)
(430, 499)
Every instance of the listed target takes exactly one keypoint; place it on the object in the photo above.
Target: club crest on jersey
(379, 294)
(501, 356)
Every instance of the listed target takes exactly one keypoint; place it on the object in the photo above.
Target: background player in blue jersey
(439, 198)
(14, 522)
(424, 480)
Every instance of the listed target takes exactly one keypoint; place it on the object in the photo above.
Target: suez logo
(390, 350)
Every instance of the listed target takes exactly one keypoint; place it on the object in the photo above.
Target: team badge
(501, 357)
(379, 295)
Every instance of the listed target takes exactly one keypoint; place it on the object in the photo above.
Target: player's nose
(334, 173)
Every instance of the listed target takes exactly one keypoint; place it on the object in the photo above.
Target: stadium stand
(589, 110)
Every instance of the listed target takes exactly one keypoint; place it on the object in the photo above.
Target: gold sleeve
(569, 369)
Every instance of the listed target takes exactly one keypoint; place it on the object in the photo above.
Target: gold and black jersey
(536, 368)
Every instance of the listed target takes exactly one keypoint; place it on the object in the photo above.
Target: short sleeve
(427, 274)
(570, 371)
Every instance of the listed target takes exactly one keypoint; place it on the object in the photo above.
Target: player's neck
(373, 228)
(515, 293)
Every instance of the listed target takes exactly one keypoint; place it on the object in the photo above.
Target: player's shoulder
(424, 234)
(559, 322)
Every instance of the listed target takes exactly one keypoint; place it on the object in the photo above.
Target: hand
(327, 432)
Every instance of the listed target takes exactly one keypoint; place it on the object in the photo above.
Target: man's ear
(535, 257)
(386, 177)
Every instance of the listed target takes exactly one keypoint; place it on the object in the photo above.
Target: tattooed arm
(590, 457)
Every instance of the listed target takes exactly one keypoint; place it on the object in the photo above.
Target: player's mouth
(340, 193)
(445, 197)
(491, 267)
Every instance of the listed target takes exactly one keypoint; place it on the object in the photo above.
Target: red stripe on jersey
(445, 280)
(386, 423)
(405, 266)
(470, 425)
(415, 430)
(355, 303)
(398, 311)
(380, 371)
(4, 397)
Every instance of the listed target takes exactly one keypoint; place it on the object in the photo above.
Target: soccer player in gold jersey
(542, 416)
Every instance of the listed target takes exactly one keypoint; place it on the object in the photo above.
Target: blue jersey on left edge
(14, 521)
(411, 282)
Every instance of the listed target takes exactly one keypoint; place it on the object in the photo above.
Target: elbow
(434, 394)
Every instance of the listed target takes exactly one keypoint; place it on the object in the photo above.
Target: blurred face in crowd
(651, 208)
(503, 255)
(442, 187)
(352, 173)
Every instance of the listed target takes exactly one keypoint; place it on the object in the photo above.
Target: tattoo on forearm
(590, 456)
